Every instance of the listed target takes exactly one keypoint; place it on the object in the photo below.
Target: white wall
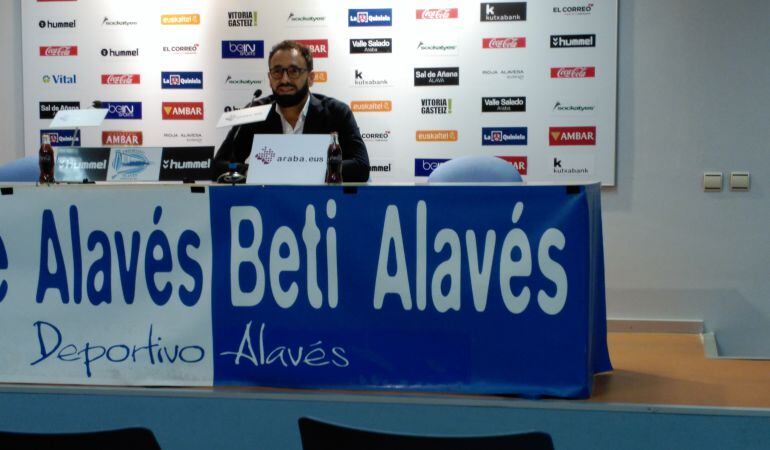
(11, 128)
(693, 95)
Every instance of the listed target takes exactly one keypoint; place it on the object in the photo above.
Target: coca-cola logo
(61, 50)
(573, 72)
(506, 42)
(266, 155)
(121, 78)
(437, 13)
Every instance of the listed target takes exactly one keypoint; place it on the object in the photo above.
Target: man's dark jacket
(324, 115)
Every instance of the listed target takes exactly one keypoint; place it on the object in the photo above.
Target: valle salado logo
(503, 104)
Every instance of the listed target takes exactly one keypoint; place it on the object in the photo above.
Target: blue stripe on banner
(482, 289)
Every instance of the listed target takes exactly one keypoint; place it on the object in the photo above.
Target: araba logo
(508, 42)
(122, 78)
(437, 14)
(65, 50)
(573, 72)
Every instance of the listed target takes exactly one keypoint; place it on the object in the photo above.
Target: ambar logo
(436, 135)
(572, 136)
(180, 19)
(371, 106)
(519, 162)
(319, 48)
(122, 138)
(182, 110)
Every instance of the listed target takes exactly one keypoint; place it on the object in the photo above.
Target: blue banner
(475, 289)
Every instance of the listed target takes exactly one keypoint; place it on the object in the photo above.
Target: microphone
(255, 98)
(97, 104)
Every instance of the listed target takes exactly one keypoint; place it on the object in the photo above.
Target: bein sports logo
(370, 17)
(243, 49)
(129, 163)
(123, 110)
(265, 156)
(424, 167)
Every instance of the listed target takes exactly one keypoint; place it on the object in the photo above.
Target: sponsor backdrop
(532, 82)
(334, 289)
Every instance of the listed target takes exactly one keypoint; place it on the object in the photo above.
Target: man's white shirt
(287, 128)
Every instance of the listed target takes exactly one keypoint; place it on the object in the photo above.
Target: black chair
(323, 436)
(123, 439)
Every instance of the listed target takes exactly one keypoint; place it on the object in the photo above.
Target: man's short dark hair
(293, 45)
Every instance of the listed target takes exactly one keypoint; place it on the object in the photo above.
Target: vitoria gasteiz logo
(504, 136)
(370, 17)
(123, 110)
(181, 80)
(243, 49)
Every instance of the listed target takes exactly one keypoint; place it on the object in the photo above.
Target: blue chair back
(475, 169)
(20, 170)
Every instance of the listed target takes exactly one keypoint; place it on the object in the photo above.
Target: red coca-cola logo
(59, 50)
(437, 13)
(507, 42)
(573, 72)
(121, 78)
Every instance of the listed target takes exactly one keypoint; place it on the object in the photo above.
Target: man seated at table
(297, 111)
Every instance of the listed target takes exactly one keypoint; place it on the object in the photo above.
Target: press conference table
(493, 288)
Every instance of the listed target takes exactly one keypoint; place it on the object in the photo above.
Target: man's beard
(289, 100)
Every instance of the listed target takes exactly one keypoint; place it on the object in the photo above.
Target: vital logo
(59, 50)
(573, 72)
(437, 14)
(425, 167)
(503, 12)
(243, 82)
(129, 163)
(60, 25)
(504, 104)
(362, 78)
(111, 22)
(573, 40)
(376, 45)
(240, 19)
(121, 78)
(123, 110)
(573, 109)
(181, 49)
(436, 106)
(371, 106)
(506, 42)
(574, 10)
(243, 49)
(182, 111)
(181, 80)
(122, 138)
(378, 136)
(504, 136)
(436, 135)
(180, 19)
(60, 79)
(558, 136)
(437, 76)
(370, 17)
(62, 138)
(49, 109)
(519, 162)
(112, 53)
(319, 48)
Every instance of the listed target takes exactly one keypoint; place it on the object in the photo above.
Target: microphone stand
(232, 176)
